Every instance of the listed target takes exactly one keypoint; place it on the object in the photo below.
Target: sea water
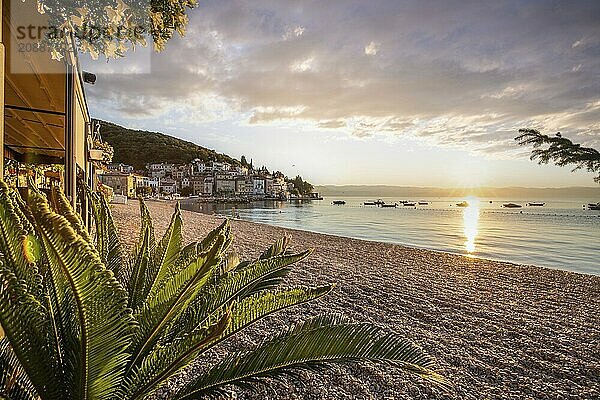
(562, 234)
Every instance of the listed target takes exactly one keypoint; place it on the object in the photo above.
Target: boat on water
(389, 205)
(536, 204)
(592, 206)
(423, 203)
(407, 204)
(338, 202)
(462, 204)
(511, 205)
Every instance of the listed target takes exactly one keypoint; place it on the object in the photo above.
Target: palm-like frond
(82, 321)
(108, 245)
(157, 314)
(311, 345)
(167, 252)
(23, 316)
(14, 383)
(231, 286)
(14, 238)
(100, 305)
(62, 206)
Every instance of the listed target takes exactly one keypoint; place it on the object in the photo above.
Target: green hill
(138, 148)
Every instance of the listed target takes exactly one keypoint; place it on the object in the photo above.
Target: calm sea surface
(559, 235)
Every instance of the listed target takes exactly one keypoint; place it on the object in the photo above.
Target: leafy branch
(561, 151)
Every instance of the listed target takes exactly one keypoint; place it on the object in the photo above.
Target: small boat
(592, 206)
(407, 204)
(370, 203)
(338, 202)
(511, 205)
(423, 203)
(389, 205)
(536, 204)
(462, 204)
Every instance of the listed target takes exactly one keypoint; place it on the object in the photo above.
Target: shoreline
(498, 330)
(407, 245)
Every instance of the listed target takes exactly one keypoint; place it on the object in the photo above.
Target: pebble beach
(498, 330)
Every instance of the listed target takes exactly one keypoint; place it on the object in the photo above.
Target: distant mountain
(376, 191)
(138, 148)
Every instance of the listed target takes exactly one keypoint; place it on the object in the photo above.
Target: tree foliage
(301, 186)
(561, 151)
(138, 148)
(111, 27)
(85, 320)
(186, 191)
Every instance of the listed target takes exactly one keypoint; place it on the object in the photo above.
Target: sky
(411, 93)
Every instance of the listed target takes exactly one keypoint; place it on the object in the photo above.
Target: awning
(34, 90)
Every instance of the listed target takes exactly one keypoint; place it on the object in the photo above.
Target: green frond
(251, 309)
(167, 252)
(165, 361)
(139, 265)
(26, 326)
(231, 286)
(312, 345)
(163, 307)
(14, 244)
(222, 230)
(274, 279)
(63, 207)
(107, 241)
(146, 224)
(104, 320)
(278, 248)
(14, 383)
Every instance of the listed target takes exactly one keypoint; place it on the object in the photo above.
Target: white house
(185, 181)
(258, 185)
(220, 166)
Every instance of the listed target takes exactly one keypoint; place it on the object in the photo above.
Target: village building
(168, 186)
(258, 186)
(197, 184)
(225, 185)
(123, 184)
(208, 186)
(120, 167)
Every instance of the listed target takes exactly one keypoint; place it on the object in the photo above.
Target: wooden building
(45, 119)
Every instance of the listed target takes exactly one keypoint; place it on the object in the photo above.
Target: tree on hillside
(301, 186)
(244, 162)
(186, 191)
(561, 151)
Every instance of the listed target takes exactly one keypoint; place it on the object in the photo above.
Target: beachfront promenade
(498, 330)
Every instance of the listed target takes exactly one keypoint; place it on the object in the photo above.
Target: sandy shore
(498, 330)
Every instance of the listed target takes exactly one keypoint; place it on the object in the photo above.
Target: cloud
(294, 32)
(372, 48)
(466, 76)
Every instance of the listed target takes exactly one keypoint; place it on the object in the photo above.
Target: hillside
(138, 148)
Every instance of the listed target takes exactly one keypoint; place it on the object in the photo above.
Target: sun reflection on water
(470, 223)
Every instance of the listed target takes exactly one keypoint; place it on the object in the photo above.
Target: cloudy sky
(426, 93)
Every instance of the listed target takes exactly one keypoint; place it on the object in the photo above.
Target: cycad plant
(85, 321)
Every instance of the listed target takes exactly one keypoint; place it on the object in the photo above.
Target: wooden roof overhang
(35, 93)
